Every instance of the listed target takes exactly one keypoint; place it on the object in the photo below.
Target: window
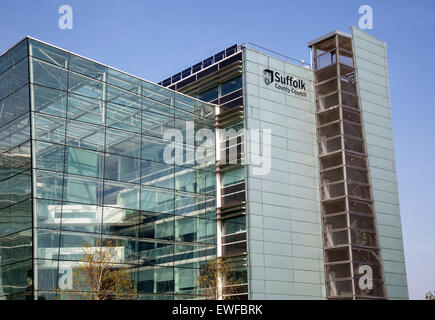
(49, 185)
(233, 176)
(84, 162)
(49, 101)
(234, 225)
(121, 195)
(155, 124)
(13, 55)
(157, 174)
(48, 53)
(85, 109)
(124, 81)
(48, 128)
(49, 156)
(157, 200)
(81, 217)
(153, 149)
(209, 95)
(82, 190)
(87, 67)
(232, 85)
(123, 143)
(18, 75)
(123, 97)
(49, 75)
(85, 86)
(85, 136)
(121, 168)
(123, 117)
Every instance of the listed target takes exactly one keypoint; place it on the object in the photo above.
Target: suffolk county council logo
(268, 76)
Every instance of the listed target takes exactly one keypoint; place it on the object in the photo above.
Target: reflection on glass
(99, 175)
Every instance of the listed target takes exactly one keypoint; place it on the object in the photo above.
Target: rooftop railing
(275, 54)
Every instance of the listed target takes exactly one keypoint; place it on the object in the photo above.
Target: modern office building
(285, 170)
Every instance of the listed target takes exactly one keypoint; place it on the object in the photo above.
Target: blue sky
(155, 39)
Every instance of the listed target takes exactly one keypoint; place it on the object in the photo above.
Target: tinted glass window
(230, 86)
(209, 95)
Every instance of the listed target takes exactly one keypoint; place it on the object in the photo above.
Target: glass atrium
(82, 161)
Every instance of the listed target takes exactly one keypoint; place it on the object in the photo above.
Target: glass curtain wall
(15, 176)
(100, 175)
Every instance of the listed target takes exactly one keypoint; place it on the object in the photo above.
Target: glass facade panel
(18, 103)
(18, 158)
(20, 187)
(48, 185)
(49, 156)
(119, 221)
(49, 101)
(153, 149)
(81, 217)
(124, 81)
(122, 168)
(48, 75)
(71, 244)
(22, 216)
(48, 278)
(48, 244)
(85, 136)
(83, 162)
(48, 213)
(123, 117)
(157, 93)
(18, 75)
(123, 97)
(4, 85)
(5, 115)
(82, 189)
(157, 200)
(85, 86)
(48, 128)
(155, 124)
(5, 225)
(20, 246)
(158, 107)
(87, 67)
(20, 130)
(13, 55)
(157, 174)
(85, 109)
(184, 103)
(48, 53)
(121, 195)
(188, 204)
(123, 143)
(189, 180)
